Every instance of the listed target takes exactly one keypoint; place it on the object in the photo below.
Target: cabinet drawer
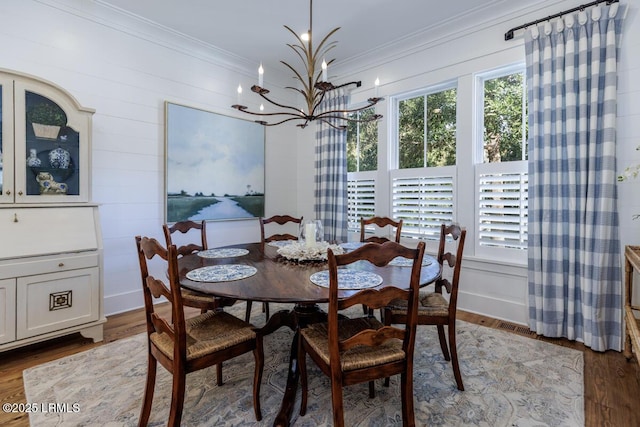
(50, 264)
(7, 310)
(54, 301)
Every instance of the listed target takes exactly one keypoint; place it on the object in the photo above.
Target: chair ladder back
(457, 266)
(381, 222)
(148, 248)
(281, 220)
(379, 255)
(184, 227)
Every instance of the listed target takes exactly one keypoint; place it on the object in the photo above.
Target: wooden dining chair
(433, 307)
(184, 345)
(280, 220)
(192, 298)
(380, 222)
(355, 350)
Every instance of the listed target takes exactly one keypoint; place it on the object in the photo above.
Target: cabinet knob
(8, 192)
(15, 217)
(20, 193)
(61, 264)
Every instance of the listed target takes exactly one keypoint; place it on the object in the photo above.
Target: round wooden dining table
(277, 279)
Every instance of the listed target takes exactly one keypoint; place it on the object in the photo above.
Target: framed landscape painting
(214, 166)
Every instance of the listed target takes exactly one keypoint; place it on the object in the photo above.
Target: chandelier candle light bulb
(324, 71)
(260, 75)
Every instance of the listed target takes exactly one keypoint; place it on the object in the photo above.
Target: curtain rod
(509, 34)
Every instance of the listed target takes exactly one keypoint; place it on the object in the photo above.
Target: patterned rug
(509, 380)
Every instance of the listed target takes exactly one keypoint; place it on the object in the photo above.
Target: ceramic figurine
(48, 185)
(33, 160)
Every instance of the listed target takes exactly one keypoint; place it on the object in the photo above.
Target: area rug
(509, 380)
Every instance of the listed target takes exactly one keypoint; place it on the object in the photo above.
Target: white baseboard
(511, 311)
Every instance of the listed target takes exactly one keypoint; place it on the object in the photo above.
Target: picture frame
(214, 168)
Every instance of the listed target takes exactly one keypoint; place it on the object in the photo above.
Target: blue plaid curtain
(575, 288)
(331, 171)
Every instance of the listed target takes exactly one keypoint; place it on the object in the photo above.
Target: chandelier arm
(338, 127)
(347, 110)
(283, 121)
(348, 119)
(282, 113)
(277, 104)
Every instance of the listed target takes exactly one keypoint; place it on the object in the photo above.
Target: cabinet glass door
(52, 149)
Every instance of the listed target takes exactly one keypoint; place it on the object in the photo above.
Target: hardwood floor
(611, 384)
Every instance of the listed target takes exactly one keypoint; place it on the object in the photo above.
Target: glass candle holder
(311, 232)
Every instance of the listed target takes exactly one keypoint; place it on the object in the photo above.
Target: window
(362, 142)
(362, 162)
(502, 176)
(422, 186)
(427, 130)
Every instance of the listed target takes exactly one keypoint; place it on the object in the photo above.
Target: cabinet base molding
(92, 331)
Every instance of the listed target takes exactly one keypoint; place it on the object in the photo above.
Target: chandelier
(314, 87)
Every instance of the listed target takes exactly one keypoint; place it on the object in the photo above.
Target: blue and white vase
(59, 158)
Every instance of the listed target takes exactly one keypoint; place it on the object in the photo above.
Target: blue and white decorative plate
(223, 253)
(281, 243)
(348, 279)
(406, 262)
(349, 246)
(221, 273)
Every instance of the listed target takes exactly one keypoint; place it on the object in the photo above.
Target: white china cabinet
(51, 254)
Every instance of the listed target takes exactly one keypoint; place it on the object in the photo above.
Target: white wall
(126, 70)
(492, 286)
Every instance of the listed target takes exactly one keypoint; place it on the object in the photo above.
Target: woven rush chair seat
(317, 336)
(207, 333)
(429, 304)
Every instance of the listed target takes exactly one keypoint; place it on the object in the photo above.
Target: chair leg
(147, 400)
(406, 390)
(443, 343)
(247, 315)
(219, 374)
(258, 354)
(336, 403)
(372, 389)
(265, 308)
(177, 399)
(302, 366)
(454, 355)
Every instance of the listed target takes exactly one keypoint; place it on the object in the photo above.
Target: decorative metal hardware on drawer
(60, 300)
(15, 217)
